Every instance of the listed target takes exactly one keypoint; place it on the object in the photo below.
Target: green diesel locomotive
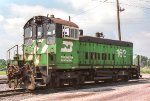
(55, 52)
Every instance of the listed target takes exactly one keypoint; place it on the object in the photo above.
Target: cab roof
(54, 20)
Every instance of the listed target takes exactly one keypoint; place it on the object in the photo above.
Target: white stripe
(44, 49)
(34, 50)
(37, 61)
(30, 57)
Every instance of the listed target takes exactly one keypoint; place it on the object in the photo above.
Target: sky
(91, 15)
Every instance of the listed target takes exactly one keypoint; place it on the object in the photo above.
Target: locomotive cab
(49, 41)
(41, 34)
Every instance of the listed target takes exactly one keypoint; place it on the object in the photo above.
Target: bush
(145, 70)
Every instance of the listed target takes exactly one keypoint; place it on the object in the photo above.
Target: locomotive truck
(55, 53)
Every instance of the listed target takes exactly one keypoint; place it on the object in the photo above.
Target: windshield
(39, 31)
(46, 31)
(50, 29)
(28, 32)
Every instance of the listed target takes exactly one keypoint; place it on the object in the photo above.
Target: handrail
(8, 51)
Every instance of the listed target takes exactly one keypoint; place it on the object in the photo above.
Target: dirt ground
(135, 90)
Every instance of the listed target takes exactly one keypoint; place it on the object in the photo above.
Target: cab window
(66, 32)
(70, 32)
(74, 33)
(39, 31)
(28, 32)
(50, 29)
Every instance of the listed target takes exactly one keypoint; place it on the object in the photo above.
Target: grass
(145, 70)
(2, 72)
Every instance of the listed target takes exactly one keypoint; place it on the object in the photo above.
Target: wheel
(50, 84)
(30, 83)
(81, 80)
(75, 83)
(115, 78)
(96, 81)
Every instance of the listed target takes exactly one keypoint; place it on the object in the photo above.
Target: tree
(143, 61)
(148, 62)
(2, 63)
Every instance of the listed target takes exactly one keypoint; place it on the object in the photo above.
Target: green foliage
(149, 62)
(2, 63)
(145, 70)
(143, 61)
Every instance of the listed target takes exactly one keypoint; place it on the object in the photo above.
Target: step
(38, 78)
(40, 85)
(102, 78)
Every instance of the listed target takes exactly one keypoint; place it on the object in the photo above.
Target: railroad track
(9, 93)
(91, 85)
(3, 80)
(68, 88)
(44, 90)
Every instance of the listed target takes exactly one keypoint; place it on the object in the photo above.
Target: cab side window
(28, 32)
(70, 32)
(65, 32)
